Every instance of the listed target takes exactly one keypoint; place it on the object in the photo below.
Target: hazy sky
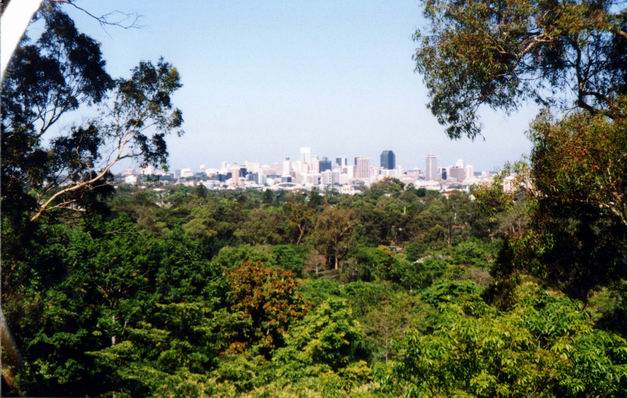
(263, 78)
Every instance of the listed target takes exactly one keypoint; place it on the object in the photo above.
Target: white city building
(432, 172)
(187, 173)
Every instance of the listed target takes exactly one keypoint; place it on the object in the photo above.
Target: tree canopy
(501, 53)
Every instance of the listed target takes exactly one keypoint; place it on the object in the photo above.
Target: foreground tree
(499, 54)
(44, 167)
(563, 55)
(579, 170)
(544, 346)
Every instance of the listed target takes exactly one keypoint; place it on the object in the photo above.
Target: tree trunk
(11, 358)
(301, 233)
(113, 338)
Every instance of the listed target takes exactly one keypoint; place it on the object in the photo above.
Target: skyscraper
(431, 168)
(325, 164)
(388, 160)
(457, 173)
(287, 168)
(305, 155)
(362, 168)
(470, 172)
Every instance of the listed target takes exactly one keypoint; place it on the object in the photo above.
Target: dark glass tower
(388, 160)
(325, 164)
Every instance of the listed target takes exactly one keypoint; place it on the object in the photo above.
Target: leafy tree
(173, 353)
(542, 347)
(83, 288)
(61, 71)
(267, 298)
(214, 223)
(560, 54)
(500, 53)
(230, 257)
(384, 312)
(333, 234)
(328, 338)
(264, 225)
(268, 197)
(580, 223)
(45, 80)
(291, 258)
(371, 263)
(491, 201)
(300, 218)
(384, 221)
(388, 186)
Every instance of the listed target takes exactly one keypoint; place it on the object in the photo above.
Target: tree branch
(106, 19)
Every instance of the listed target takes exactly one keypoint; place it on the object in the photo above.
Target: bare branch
(117, 18)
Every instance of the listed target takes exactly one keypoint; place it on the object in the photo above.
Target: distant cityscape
(309, 171)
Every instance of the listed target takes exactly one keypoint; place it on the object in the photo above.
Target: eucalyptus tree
(47, 168)
(500, 53)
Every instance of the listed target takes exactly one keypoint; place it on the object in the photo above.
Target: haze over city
(263, 79)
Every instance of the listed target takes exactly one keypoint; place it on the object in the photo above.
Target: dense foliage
(493, 53)
(194, 306)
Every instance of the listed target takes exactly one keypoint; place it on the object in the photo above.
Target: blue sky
(263, 78)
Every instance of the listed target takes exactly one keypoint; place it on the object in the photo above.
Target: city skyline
(418, 161)
(309, 170)
(374, 161)
(261, 77)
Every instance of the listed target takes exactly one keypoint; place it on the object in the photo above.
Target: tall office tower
(326, 177)
(444, 173)
(305, 155)
(388, 160)
(470, 171)
(329, 177)
(457, 173)
(314, 166)
(287, 168)
(460, 163)
(362, 168)
(431, 168)
(235, 174)
(325, 164)
(341, 162)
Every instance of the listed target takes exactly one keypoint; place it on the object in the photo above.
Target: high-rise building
(388, 160)
(314, 166)
(325, 164)
(431, 168)
(457, 173)
(362, 168)
(287, 168)
(305, 155)
(329, 177)
(470, 171)
(444, 173)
